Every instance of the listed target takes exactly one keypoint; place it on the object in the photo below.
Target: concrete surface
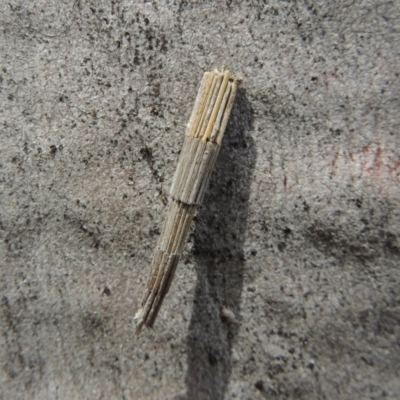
(299, 237)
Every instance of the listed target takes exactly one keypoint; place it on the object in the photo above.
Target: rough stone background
(299, 235)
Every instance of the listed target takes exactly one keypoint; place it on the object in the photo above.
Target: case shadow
(219, 259)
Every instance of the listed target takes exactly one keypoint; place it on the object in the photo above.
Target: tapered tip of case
(139, 321)
(142, 317)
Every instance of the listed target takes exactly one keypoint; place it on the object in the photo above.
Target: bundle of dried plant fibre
(200, 150)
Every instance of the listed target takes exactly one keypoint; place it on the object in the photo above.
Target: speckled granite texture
(299, 235)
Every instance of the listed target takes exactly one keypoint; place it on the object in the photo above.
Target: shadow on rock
(219, 258)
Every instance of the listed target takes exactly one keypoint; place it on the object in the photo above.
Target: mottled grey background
(299, 235)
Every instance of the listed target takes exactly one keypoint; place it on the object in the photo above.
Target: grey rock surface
(289, 287)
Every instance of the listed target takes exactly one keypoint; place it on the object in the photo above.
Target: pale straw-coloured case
(200, 150)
